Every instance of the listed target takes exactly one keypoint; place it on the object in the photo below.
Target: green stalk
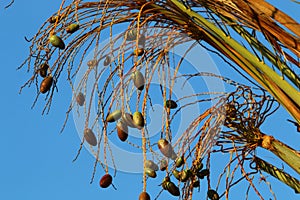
(278, 173)
(283, 151)
(247, 61)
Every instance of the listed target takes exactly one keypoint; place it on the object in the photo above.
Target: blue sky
(36, 161)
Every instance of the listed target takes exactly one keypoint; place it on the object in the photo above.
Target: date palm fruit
(185, 175)
(105, 181)
(204, 172)
(43, 71)
(166, 149)
(151, 165)
(172, 188)
(107, 61)
(176, 174)
(80, 99)
(138, 120)
(139, 51)
(53, 19)
(213, 195)
(144, 196)
(127, 118)
(170, 104)
(72, 28)
(150, 172)
(163, 165)
(92, 63)
(142, 40)
(114, 116)
(199, 167)
(46, 84)
(122, 130)
(196, 183)
(179, 161)
(165, 181)
(90, 137)
(57, 41)
(138, 80)
(131, 35)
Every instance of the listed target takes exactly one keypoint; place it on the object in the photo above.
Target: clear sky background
(35, 160)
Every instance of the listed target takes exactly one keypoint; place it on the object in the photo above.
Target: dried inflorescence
(244, 112)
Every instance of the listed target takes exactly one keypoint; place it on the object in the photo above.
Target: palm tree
(252, 36)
